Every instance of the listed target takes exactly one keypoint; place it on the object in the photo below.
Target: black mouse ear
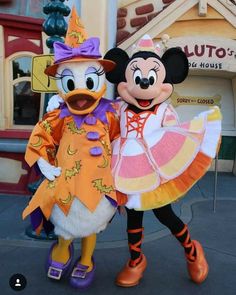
(176, 64)
(120, 57)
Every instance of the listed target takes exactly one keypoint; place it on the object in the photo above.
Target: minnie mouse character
(157, 159)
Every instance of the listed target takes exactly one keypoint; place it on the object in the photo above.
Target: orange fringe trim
(172, 190)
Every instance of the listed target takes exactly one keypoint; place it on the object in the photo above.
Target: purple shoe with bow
(57, 270)
(80, 278)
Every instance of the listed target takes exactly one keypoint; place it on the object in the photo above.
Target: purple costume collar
(99, 112)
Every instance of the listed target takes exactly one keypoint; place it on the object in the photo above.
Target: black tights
(164, 214)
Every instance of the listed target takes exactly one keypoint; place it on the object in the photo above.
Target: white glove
(134, 201)
(54, 103)
(48, 170)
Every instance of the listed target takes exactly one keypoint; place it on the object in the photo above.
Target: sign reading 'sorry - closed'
(208, 53)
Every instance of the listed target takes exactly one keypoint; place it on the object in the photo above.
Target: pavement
(166, 273)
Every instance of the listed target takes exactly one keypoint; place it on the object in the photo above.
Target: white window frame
(2, 84)
(9, 96)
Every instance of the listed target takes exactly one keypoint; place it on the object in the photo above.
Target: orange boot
(196, 264)
(132, 272)
(198, 269)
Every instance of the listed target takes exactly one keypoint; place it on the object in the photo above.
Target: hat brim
(108, 65)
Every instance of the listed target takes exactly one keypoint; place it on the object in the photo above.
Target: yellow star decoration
(69, 173)
(51, 184)
(97, 183)
(78, 36)
(47, 127)
(74, 130)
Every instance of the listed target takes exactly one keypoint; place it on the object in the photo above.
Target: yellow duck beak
(83, 101)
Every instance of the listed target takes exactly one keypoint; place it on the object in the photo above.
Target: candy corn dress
(157, 159)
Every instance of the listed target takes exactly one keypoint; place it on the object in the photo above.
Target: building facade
(204, 29)
(20, 108)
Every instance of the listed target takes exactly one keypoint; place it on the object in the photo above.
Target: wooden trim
(192, 14)
(228, 4)
(15, 134)
(22, 43)
(196, 27)
(21, 79)
(229, 16)
(21, 22)
(124, 3)
(202, 8)
(2, 78)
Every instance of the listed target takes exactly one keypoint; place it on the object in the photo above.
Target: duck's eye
(92, 81)
(152, 77)
(137, 76)
(67, 81)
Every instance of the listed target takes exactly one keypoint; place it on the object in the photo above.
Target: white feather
(80, 222)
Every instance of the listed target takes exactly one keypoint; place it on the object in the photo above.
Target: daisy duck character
(72, 147)
(157, 159)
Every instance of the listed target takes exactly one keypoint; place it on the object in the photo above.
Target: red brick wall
(131, 18)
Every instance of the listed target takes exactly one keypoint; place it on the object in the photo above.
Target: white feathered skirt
(80, 222)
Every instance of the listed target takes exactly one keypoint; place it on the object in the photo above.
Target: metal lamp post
(55, 27)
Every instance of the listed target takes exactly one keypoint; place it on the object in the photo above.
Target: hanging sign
(178, 100)
(207, 53)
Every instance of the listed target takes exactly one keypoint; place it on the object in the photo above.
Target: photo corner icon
(17, 282)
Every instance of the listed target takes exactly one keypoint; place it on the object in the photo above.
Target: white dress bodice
(140, 125)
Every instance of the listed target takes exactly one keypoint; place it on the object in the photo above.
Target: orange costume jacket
(84, 154)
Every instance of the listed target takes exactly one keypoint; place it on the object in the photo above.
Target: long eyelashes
(134, 67)
(59, 76)
(99, 71)
(156, 69)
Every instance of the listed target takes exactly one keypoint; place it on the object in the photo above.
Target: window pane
(26, 104)
(21, 67)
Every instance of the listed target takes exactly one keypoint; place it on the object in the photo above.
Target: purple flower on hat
(88, 49)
